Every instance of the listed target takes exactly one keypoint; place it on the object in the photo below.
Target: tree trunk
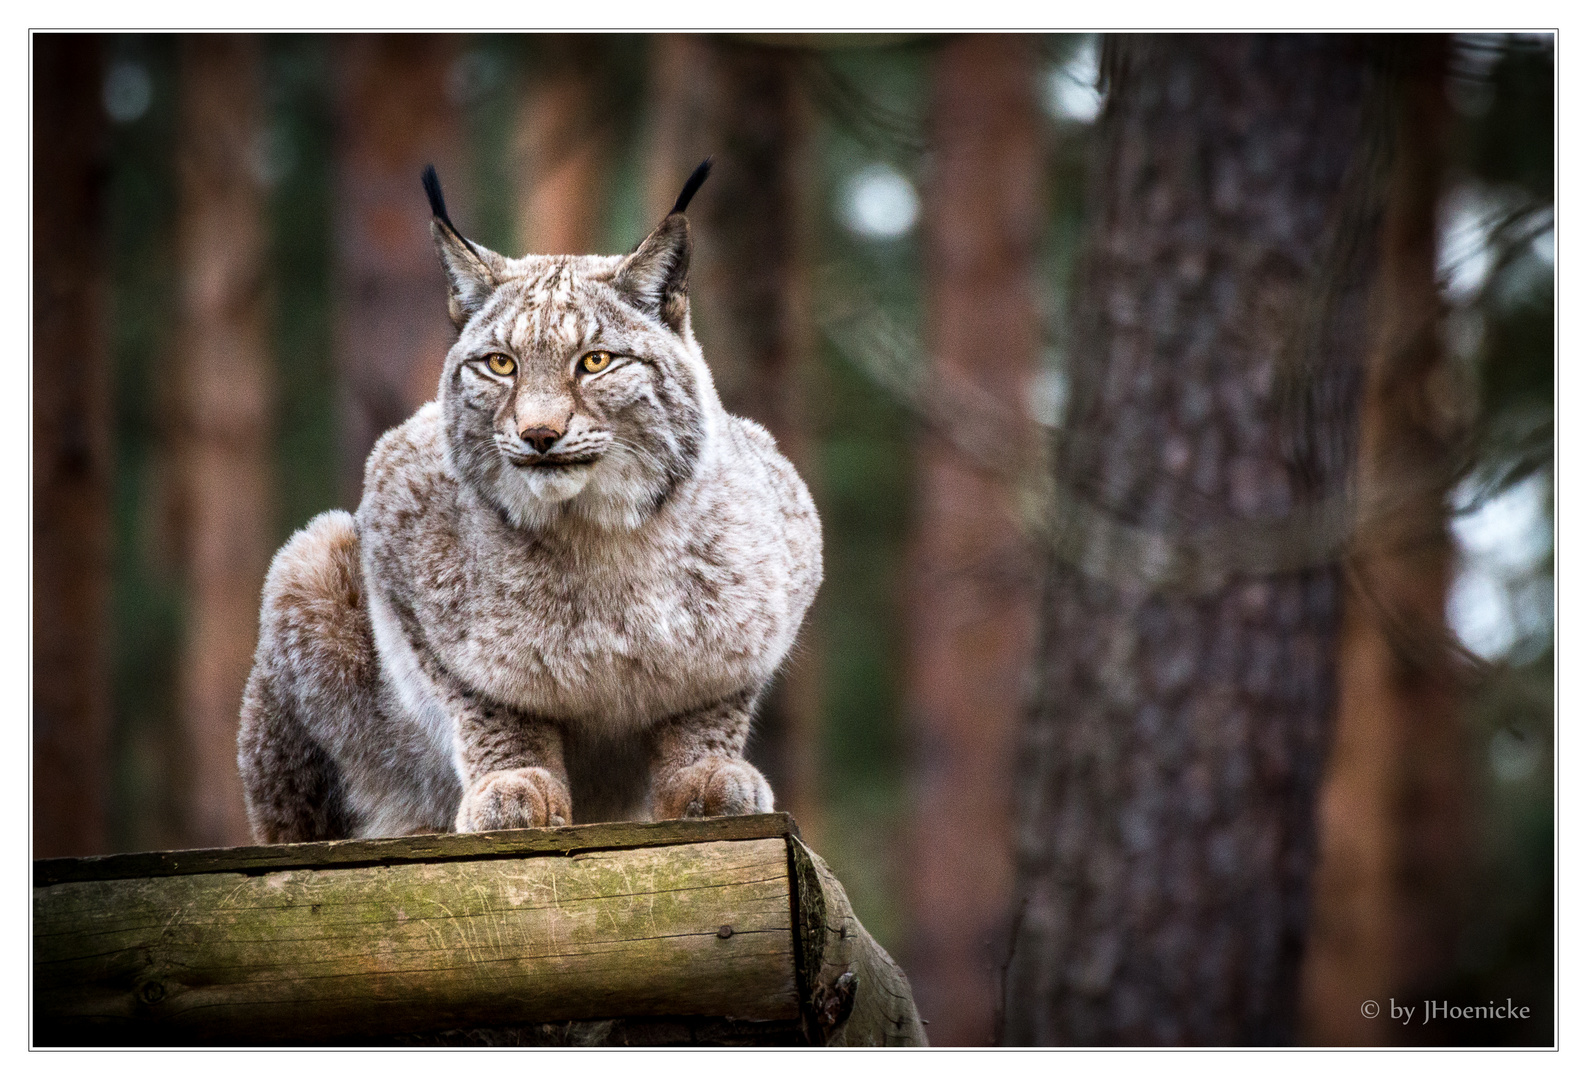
(741, 104)
(1171, 763)
(972, 596)
(565, 147)
(1391, 819)
(71, 451)
(224, 425)
(392, 333)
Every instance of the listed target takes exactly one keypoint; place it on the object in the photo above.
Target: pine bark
(1393, 822)
(1171, 762)
(741, 104)
(224, 426)
(71, 451)
(392, 331)
(972, 611)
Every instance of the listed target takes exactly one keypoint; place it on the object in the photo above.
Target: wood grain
(856, 994)
(391, 851)
(356, 952)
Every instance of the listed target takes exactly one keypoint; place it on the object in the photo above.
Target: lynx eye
(595, 361)
(501, 363)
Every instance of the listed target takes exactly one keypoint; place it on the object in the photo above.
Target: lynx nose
(540, 438)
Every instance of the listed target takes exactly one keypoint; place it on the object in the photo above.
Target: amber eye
(595, 361)
(501, 363)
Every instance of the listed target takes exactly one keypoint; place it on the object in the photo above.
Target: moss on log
(718, 931)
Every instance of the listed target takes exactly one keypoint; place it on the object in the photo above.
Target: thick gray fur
(505, 637)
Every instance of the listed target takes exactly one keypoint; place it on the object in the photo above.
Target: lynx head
(575, 388)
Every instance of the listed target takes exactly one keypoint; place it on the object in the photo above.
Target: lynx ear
(472, 273)
(655, 277)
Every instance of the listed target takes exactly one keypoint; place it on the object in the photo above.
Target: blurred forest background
(1180, 414)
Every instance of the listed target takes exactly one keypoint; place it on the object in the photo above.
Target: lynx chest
(619, 632)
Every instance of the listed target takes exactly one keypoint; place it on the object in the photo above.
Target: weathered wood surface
(857, 994)
(393, 851)
(722, 931)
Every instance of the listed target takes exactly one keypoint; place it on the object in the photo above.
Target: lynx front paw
(515, 799)
(712, 788)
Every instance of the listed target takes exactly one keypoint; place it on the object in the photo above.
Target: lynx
(569, 579)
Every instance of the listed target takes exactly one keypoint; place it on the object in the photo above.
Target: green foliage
(301, 131)
(1503, 149)
(484, 82)
(1510, 137)
(871, 110)
(145, 587)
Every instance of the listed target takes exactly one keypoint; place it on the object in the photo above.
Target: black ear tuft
(692, 185)
(432, 188)
(654, 275)
(472, 273)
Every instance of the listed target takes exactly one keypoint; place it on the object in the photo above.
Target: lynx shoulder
(569, 580)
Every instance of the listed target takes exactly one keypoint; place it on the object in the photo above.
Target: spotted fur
(511, 634)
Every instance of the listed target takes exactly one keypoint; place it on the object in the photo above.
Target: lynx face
(576, 388)
(563, 396)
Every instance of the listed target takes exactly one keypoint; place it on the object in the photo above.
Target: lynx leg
(514, 776)
(293, 788)
(510, 764)
(314, 662)
(699, 768)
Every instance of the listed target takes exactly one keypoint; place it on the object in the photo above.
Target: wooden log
(724, 930)
(858, 996)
